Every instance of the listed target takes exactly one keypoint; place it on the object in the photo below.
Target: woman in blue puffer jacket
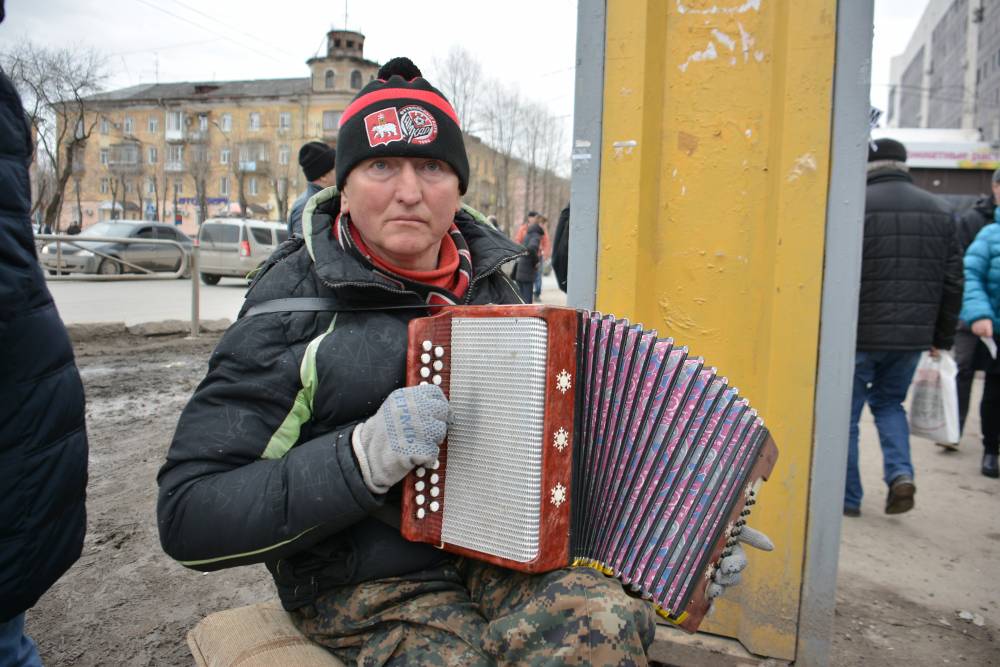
(981, 310)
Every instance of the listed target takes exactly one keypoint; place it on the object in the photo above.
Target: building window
(152, 155)
(285, 120)
(104, 186)
(175, 121)
(330, 121)
(129, 125)
(150, 186)
(203, 123)
(153, 124)
(128, 187)
(252, 185)
(284, 154)
(254, 121)
(104, 156)
(244, 154)
(356, 79)
(262, 153)
(175, 153)
(179, 186)
(328, 79)
(104, 126)
(224, 186)
(226, 122)
(224, 156)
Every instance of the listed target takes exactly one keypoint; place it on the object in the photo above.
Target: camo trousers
(471, 613)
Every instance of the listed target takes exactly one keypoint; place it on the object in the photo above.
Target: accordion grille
(492, 491)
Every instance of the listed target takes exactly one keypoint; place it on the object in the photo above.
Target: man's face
(402, 207)
(996, 192)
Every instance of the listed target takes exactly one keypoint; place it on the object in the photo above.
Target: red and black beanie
(400, 115)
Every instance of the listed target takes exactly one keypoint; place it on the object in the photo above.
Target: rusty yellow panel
(715, 157)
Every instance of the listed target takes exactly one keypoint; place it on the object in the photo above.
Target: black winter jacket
(527, 267)
(43, 438)
(560, 249)
(970, 222)
(261, 467)
(911, 270)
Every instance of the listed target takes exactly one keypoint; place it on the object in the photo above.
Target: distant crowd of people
(929, 283)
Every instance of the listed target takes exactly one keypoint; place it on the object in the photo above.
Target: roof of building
(206, 90)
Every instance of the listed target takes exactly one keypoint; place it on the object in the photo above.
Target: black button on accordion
(578, 439)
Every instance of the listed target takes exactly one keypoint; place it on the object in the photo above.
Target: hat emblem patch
(383, 127)
(417, 124)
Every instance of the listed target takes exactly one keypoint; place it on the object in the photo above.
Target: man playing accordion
(291, 450)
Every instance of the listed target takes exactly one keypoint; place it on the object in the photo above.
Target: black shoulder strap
(318, 304)
(308, 304)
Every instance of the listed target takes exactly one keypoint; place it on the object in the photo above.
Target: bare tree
(281, 173)
(54, 85)
(529, 140)
(460, 77)
(502, 117)
(200, 168)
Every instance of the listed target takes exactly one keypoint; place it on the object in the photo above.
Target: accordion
(578, 439)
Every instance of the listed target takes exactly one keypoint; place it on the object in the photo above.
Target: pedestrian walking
(970, 353)
(981, 309)
(529, 266)
(911, 292)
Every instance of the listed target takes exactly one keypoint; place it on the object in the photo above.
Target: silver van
(236, 246)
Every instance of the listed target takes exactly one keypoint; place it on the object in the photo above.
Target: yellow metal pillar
(713, 187)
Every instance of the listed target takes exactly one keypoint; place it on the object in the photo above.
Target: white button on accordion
(579, 439)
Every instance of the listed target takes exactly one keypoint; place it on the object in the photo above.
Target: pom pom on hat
(401, 66)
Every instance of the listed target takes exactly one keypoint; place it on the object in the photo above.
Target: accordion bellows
(579, 439)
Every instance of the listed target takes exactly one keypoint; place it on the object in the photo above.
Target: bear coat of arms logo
(383, 127)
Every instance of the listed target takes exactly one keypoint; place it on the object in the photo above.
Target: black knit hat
(316, 159)
(887, 149)
(400, 115)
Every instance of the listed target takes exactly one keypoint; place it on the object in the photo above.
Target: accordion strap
(318, 304)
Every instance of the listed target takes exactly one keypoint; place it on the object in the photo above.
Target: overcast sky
(528, 42)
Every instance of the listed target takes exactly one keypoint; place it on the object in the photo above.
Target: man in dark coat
(528, 266)
(911, 292)
(43, 438)
(318, 162)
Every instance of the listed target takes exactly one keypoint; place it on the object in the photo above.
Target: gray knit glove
(403, 434)
(732, 565)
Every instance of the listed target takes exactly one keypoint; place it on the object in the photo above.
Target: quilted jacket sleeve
(976, 304)
(234, 490)
(951, 297)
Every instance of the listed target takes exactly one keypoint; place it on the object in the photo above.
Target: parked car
(111, 258)
(236, 246)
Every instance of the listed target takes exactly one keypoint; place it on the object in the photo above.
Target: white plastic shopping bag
(934, 408)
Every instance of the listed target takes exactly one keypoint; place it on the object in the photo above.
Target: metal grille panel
(492, 486)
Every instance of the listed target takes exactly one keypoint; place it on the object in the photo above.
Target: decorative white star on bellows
(558, 495)
(561, 439)
(563, 381)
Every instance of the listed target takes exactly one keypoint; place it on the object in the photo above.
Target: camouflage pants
(471, 613)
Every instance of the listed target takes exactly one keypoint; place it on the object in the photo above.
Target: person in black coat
(528, 266)
(43, 437)
(970, 354)
(911, 292)
(560, 249)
